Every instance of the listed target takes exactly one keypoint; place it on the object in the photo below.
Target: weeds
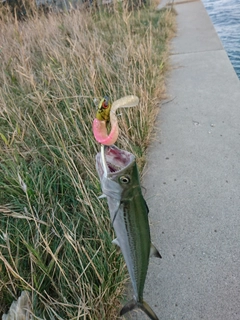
(55, 234)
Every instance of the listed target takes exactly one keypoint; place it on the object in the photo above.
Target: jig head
(107, 112)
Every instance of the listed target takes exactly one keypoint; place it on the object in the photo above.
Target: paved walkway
(193, 180)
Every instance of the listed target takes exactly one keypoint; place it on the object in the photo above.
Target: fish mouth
(113, 160)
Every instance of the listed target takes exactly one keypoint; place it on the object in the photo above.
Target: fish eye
(124, 179)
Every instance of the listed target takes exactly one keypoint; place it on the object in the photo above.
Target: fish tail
(133, 304)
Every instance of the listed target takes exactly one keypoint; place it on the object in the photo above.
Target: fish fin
(102, 196)
(147, 309)
(154, 252)
(130, 305)
(133, 304)
(116, 242)
(146, 206)
(115, 213)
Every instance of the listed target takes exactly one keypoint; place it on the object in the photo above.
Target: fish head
(103, 111)
(117, 170)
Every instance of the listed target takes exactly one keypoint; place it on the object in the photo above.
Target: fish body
(120, 183)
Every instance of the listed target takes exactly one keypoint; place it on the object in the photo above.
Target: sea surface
(225, 15)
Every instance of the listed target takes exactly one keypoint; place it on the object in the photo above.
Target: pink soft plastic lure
(107, 112)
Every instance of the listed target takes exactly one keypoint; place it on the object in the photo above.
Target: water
(225, 15)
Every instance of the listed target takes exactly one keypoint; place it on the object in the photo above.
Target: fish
(120, 184)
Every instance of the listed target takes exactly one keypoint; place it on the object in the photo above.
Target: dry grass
(55, 234)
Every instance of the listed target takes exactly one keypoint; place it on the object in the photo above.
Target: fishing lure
(107, 113)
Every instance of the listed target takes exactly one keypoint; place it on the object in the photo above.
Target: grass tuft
(55, 234)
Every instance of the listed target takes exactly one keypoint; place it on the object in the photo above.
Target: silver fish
(118, 173)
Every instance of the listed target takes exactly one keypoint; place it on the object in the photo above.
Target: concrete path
(193, 180)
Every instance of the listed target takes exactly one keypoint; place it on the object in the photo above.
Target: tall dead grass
(55, 234)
